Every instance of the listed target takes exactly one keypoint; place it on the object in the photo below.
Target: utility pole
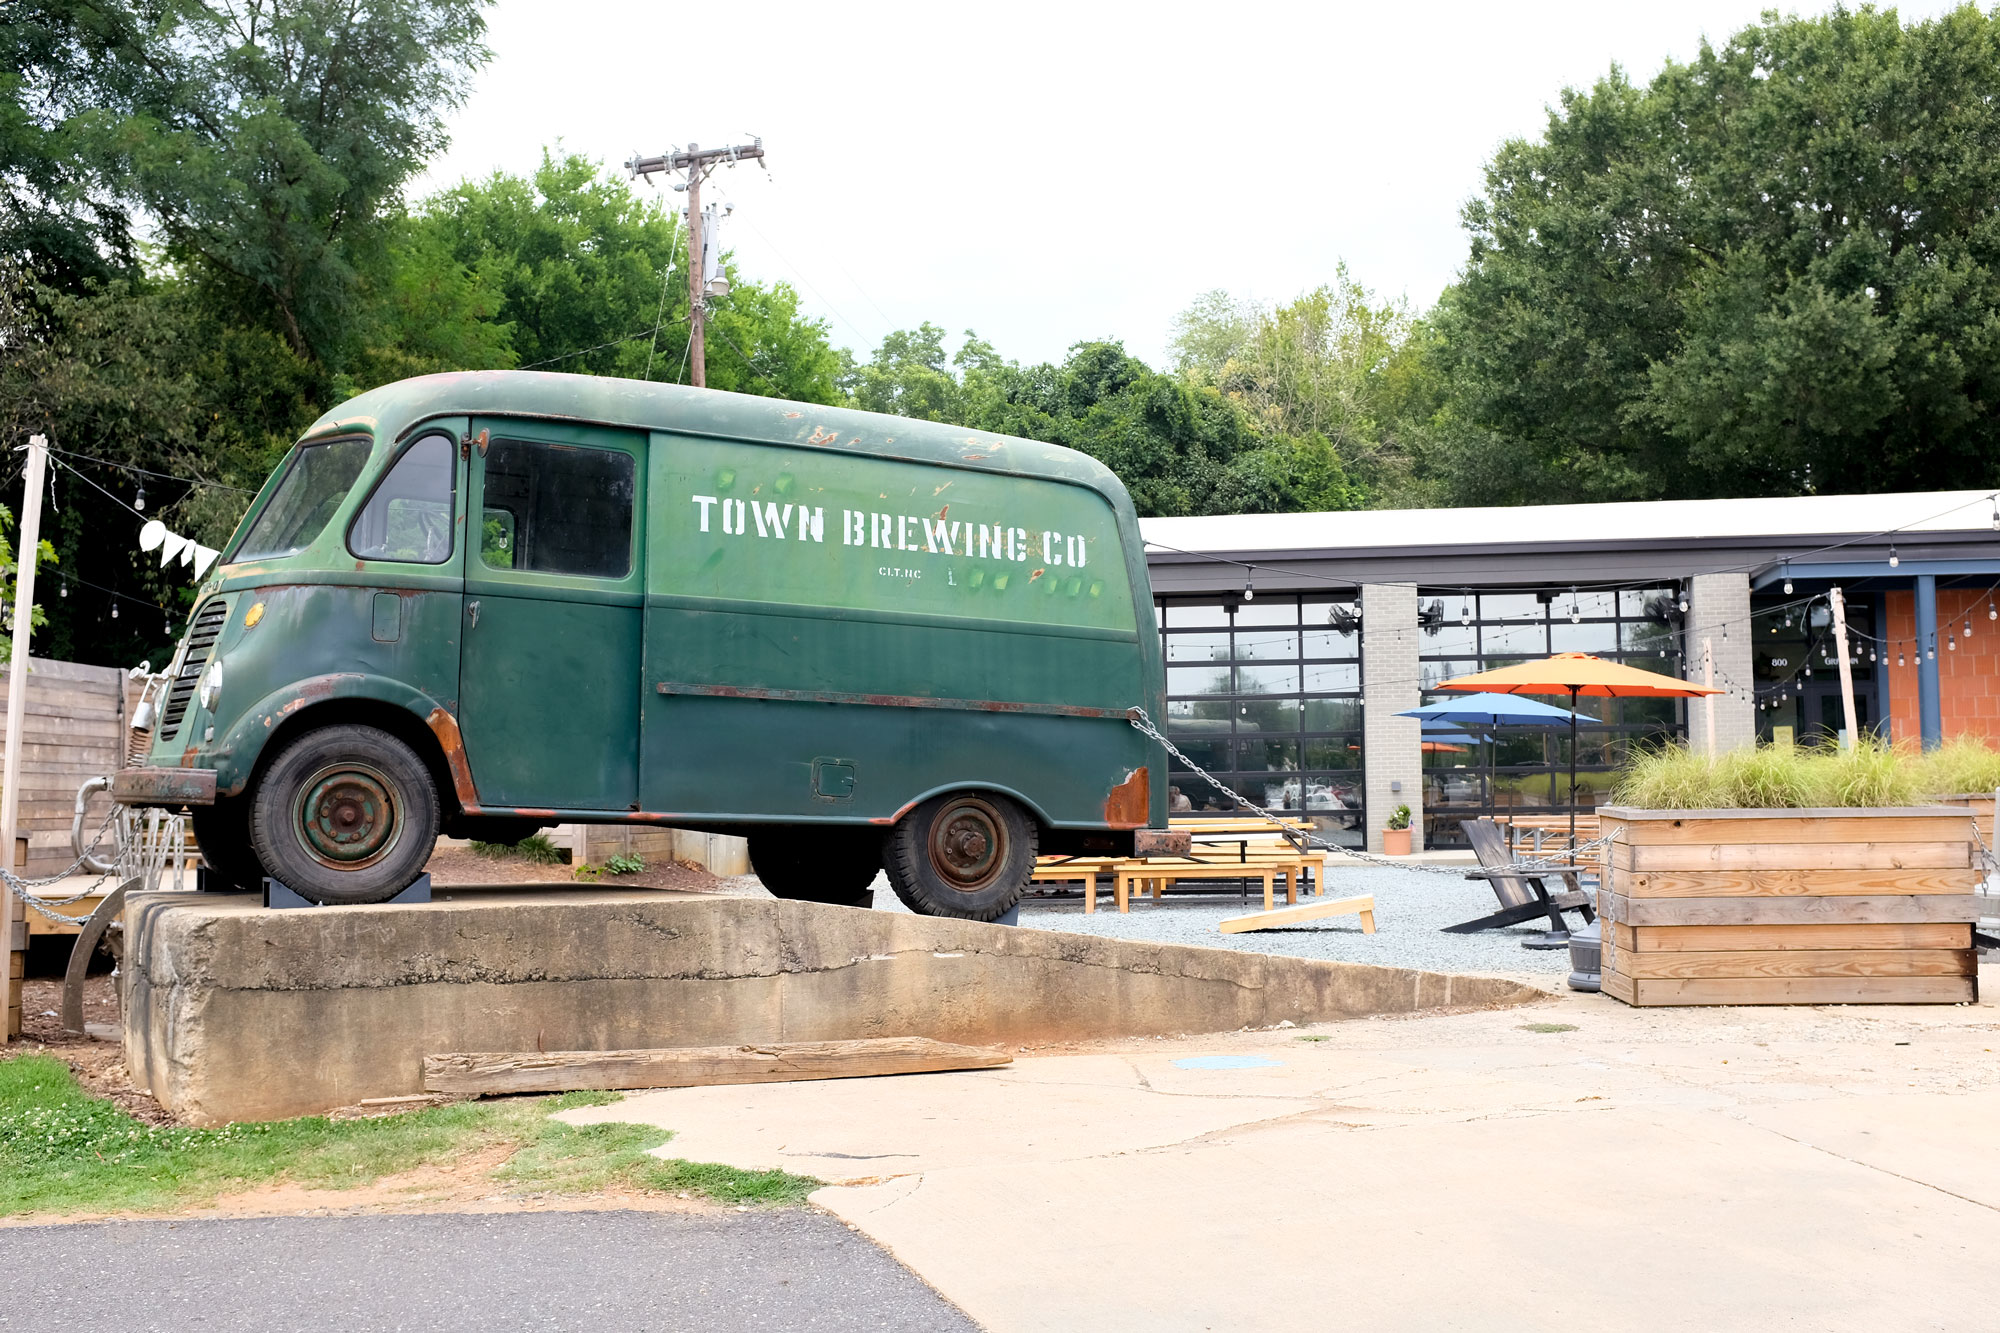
(1839, 604)
(13, 913)
(697, 162)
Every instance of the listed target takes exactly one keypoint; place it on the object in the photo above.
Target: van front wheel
(345, 814)
(964, 854)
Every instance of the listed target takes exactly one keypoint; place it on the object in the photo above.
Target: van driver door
(554, 595)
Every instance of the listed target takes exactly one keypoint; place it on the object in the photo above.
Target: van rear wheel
(966, 854)
(818, 864)
(345, 814)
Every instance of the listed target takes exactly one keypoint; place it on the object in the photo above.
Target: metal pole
(1708, 679)
(697, 314)
(14, 917)
(1846, 671)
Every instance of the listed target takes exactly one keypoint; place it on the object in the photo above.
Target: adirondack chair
(1522, 895)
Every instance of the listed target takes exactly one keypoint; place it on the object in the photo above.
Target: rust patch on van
(445, 727)
(821, 435)
(1130, 800)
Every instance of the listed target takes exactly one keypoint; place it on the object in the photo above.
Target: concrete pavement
(1648, 1169)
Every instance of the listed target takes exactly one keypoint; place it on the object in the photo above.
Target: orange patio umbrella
(1577, 674)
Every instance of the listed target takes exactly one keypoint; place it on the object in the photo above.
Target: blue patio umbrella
(1486, 711)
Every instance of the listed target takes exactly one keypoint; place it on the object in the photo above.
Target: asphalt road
(790, 1270)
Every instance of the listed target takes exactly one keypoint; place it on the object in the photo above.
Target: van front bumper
(168, 788)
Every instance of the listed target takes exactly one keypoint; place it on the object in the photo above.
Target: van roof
(396, 409)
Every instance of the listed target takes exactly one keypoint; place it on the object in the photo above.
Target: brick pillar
(1390, 754)
(1716, 602)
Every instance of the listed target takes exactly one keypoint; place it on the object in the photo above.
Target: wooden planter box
(1790, 906)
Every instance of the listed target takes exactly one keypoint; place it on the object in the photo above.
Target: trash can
(1586, 956)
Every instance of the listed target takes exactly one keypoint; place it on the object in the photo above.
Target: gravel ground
(1411, 910)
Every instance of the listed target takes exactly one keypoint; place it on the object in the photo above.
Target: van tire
(818, 864)
(222, 832)
(375, 824)
(965, 854)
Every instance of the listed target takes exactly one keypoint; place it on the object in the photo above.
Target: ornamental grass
(1867, 775)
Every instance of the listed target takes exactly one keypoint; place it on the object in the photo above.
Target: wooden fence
(75, 729)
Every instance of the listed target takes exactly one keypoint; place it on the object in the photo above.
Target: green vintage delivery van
(490, 602)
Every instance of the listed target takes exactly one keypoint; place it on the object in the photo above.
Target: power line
(164, 476)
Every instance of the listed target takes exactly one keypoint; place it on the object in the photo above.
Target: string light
(114, 610)
(1894, 559)
(139, 503)
(1465, 608)
(1249, 592)
(1574, 615)
(1788, 578)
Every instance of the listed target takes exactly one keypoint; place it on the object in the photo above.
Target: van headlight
(211, 685)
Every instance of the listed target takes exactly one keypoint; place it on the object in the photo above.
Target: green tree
(270, 140)
(58, 59)
(1336, 381)
(1773, 269)
(589, 279)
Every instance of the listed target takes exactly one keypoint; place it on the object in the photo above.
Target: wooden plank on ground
(1914, 907)
(1792, 883)
(1805, 990)
(1932, 825)
(1797, 856)
(1803, 963)
(1717, 939)
(482, 1073)
(1312, 911)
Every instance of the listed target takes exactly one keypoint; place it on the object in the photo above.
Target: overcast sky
(1045, 174)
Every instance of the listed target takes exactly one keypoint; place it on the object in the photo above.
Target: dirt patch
(451, 866)
(99, 1065)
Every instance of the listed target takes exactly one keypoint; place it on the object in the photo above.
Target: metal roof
(1565, 543)
(1539, 525)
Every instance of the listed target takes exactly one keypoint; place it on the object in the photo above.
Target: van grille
(207, 629)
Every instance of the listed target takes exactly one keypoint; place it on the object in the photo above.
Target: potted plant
(1396, 833)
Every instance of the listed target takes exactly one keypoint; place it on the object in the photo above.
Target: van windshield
(317, 480)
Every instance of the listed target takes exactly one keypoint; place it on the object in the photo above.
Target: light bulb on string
(1788, 578)
(65, 588)
(1899, 658)
(1574, 614)
(1894, 559)
(1249, 592)
(114, 610)
(1951, 643)
(139, 501)
(1992, 613)
(1996, 512)
(1465, 608)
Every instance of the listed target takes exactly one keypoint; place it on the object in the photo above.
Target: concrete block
(236, 1012)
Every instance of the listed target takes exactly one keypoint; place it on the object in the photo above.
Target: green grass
(1548, 1027)
(1775, 777)
(1960, 767)
(63, 1150)
(535, 849)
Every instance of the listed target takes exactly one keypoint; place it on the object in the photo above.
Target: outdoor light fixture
(139, 502)
(1249, 593)
(1951, 643)
(1996, 511)
(114, 610)
(1465, 608)
(1894, 559)
(65, 587)
(1788, 578)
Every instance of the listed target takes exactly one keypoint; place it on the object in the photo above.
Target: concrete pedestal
(236, 1012)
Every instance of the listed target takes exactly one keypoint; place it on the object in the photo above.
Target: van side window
(409, 516)
(558, 509)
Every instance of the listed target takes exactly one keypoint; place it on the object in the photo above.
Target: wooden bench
(1262, 859)
(1547, 835)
